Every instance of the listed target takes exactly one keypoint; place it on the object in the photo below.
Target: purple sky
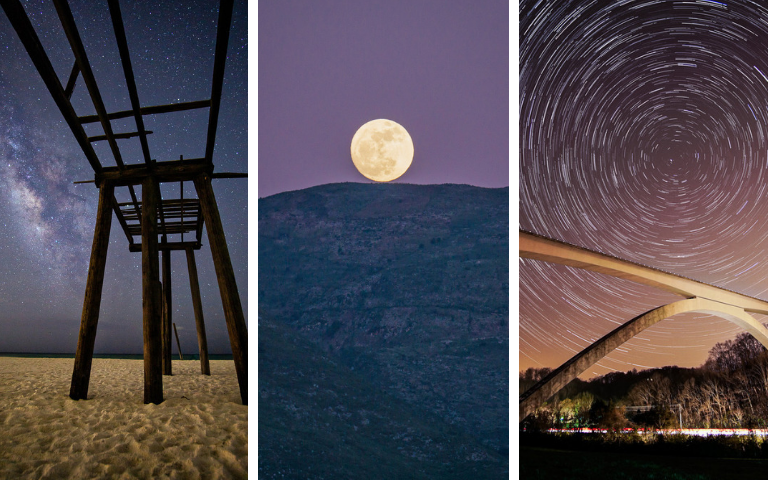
(439, 68)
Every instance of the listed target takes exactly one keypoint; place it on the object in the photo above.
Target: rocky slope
(406, 285)
(320, 419)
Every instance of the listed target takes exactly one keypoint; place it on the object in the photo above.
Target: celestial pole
(644, 135)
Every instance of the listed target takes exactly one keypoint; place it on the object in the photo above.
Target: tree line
(730, 390)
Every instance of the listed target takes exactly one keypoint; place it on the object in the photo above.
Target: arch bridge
(699, 297)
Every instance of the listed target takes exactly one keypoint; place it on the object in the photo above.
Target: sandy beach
(200, 431)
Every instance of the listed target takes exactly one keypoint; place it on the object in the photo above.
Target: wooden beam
(170, 171)
(72, 80)
(136, 248)
(178, 343)
(170, 108)
(123, 223)
(230, 299)
(130, 81)
(152, 295)
(219, 61)
(76, 44)
(90, 318)
(26, 32)
(197, 304)
(136, 230)
(117, 136)
(167, 312)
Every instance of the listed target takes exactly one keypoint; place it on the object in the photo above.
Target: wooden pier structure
(159, 224)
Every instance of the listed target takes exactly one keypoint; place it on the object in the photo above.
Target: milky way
(47, 222)
(643, 134)
(45, 219)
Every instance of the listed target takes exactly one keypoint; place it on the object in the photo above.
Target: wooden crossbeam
(172, 107)
(72, 80)
(117, 136)
(132, 215)
(21, 23)
(172, 228)
(76, 43)
(171, 171)
(130, 81)
(121, 219)
(181, 216)
(190, 211)
(136, 248)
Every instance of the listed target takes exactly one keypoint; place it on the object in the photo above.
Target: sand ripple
(199, 432)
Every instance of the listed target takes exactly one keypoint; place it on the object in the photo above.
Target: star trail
(643, 135)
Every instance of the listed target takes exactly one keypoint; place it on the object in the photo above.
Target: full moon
(382, 150)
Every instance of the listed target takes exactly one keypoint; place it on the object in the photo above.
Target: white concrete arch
(541, 248)
(559, 378)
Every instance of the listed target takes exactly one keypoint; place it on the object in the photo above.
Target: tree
(660, 416)
(604, 415)
(731, 355)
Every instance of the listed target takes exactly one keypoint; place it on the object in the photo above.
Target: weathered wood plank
(136, 248)
(170, 171)
(230, 299)
(90, 318)
(173, 107)
(197, 304)
(118, 136)
(167, 312)
(130, 81)
(152, 295)
(15, 12)
(219, 61)
(76, 44)
(178, 343)
(72, 80)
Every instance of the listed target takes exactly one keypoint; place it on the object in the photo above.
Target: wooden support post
(197, 304)
(178, 343)
(230, 299)
(167, 314)
(81, 374)
(152, 294)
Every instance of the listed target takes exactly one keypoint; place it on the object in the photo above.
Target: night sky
(438, 68)
(644, 135)
(46, 222)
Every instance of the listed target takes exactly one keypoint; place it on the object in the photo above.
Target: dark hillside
(406, 284)
(320, 419)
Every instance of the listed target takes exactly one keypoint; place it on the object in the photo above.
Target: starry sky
(438, 68)
(643, 135)
(46, 221)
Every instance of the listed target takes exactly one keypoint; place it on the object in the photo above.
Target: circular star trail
(644, 135)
